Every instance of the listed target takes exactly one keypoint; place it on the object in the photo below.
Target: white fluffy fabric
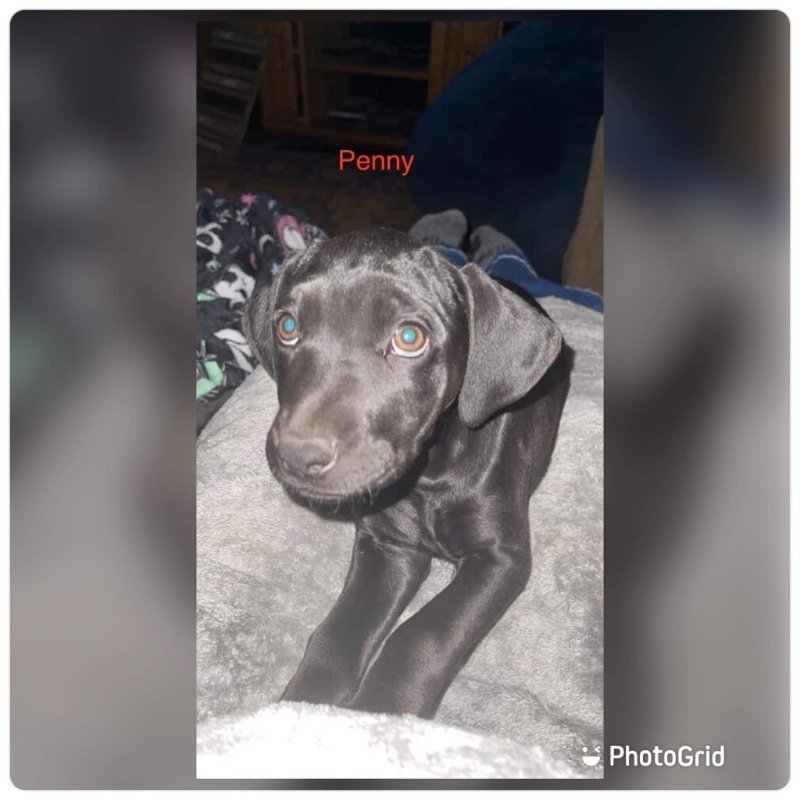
(269, 571)
(291, 740)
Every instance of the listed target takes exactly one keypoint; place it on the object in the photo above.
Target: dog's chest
(472, 481)
(428, 523)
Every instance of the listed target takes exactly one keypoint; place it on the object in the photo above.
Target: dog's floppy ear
(257, 323)
(259, 309)
(511, 346)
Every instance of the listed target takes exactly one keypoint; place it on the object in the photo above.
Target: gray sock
(486, 243)
(446, 227)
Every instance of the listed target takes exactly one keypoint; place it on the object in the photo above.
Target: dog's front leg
(383, 578)
(421, 658)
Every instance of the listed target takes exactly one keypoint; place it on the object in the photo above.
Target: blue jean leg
(517, 270)
(452, 254)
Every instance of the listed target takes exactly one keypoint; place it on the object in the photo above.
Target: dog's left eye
(409, 341)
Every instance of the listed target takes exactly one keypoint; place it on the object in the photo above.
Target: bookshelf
(362, 83)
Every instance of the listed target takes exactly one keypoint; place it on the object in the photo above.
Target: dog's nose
(307, 456)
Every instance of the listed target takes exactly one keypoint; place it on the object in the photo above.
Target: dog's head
(370, 338)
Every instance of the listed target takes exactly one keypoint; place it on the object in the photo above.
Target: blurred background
(103, 189)
(697, 392)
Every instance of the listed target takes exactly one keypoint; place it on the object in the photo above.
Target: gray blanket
(269, 570)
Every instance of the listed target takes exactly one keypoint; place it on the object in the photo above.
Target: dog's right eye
(288, 332)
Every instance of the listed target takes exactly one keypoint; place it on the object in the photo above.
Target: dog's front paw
(400, 698)
(318, 683)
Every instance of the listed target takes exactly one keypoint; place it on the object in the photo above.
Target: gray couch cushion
(269, 570)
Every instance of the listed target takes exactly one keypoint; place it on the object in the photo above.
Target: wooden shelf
(309, 67)
(409, 73)
(375, 138)
(298, 127)
(356, 137)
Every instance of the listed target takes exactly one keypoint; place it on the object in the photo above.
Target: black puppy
(430, 397)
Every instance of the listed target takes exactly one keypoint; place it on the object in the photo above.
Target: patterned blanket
(239, 242)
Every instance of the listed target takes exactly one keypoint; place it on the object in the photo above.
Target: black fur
(437, 455)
